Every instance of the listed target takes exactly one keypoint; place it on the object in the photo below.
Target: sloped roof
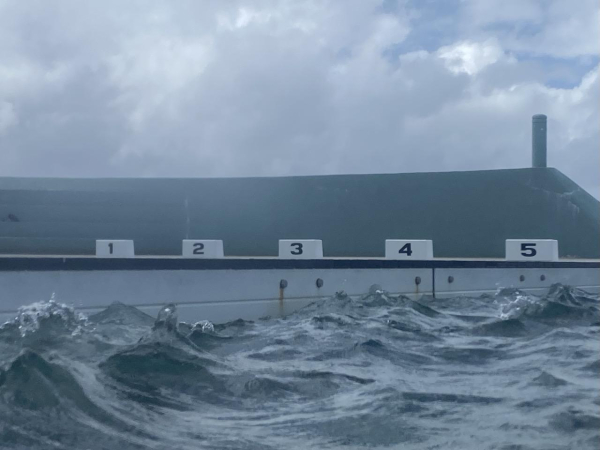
(467, 214)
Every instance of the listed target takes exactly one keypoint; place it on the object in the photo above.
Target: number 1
(110, 248)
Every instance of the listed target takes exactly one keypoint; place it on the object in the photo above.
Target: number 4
(406, 249)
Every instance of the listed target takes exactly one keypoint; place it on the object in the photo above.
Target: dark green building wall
(466, 214)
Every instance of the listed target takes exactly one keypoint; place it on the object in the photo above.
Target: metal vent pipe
(539, 147)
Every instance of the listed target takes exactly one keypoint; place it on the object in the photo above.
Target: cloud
(551, 27)
(470, 57)
(8, 117)
(265, 87)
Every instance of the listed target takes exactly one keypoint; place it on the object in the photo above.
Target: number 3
(298, 250)
(528, 250)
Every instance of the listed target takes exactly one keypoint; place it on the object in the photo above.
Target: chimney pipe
(539, 141)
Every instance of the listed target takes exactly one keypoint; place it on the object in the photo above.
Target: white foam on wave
(29, 318)
(518, 306)
(205, 326)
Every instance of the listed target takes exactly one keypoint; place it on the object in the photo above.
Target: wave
(234, 325)
(572, 420)
(469, 355)
(159, 373)
(163, 366)
(375, 370)
(121, 314)
(267, 388)
(560, 304)
(501, 328)
(44, 321)
(324, 321)
(41, 401)
(31, 382)
(547, 380)
(427, 397)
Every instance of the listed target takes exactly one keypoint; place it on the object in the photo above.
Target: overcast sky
(280, 87)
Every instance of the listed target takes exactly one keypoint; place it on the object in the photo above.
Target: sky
(214, 88)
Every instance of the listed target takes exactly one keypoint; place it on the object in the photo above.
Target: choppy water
(509, 371)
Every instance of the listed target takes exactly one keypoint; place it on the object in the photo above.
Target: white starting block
(110, 248)
(192, 248)
(531, 250)
(408, 249)
(300, 248)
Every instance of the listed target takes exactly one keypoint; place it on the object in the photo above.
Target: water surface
(509, 371)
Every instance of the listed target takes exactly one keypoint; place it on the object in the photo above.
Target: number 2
(198, 247)
(298, 250)
(110, 248)
(528, 250)
(406, 249)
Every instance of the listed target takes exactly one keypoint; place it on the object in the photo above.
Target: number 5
(528, 250)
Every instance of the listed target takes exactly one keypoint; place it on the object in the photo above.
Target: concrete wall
(466, 214)
(204, 291)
